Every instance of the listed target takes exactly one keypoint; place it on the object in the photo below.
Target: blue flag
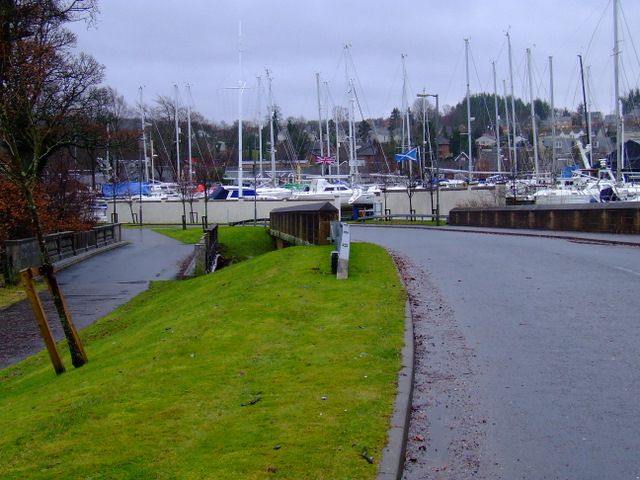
(410, 155)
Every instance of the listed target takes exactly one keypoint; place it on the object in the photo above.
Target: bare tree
(45, 90)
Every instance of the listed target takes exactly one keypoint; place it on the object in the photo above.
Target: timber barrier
(303, 224)
(25, 253)
(205, 254)
(613, 217)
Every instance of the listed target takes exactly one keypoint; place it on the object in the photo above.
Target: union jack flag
(325, 160)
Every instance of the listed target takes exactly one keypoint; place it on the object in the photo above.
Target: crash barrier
(308, 224)
(614, 217)
(25, 253)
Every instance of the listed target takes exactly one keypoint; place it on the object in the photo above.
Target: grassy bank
(238, 243)
(270, 368)
(10, 294)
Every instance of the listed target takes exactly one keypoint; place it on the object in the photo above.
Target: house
(486, 142)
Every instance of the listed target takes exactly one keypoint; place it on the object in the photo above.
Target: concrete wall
(218, 211)
(229, 211)
(398, 201)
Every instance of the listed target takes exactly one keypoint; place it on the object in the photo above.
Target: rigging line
(504, 43)
(541, 85)
(633, 44)
(355, 91)
(572, 81)
(164, 147)
(459, 56)
(484, 97)
(595, 30)
(395, 78)
(359, 83)
(591, 92)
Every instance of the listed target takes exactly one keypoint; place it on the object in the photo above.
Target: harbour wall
(231, 211)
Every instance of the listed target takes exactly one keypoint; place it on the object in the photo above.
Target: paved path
(527, 361)
(94, 288)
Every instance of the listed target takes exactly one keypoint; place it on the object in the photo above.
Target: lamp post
(424, 95)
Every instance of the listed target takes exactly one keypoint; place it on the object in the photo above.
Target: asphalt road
(94, 288)
(527, 355)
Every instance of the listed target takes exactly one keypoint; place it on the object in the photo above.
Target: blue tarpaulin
(125, 189)
(567, 172)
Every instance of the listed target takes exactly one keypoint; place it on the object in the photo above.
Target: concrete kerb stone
(393, 456)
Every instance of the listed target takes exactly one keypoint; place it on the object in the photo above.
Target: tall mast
(553, 118)
(260, 124)
(589, 105)
(175, 108)
(506, 117)
(405, 110)
(616, 62)
(272, 145)
(353, 170)
(335, 120)
(319, 116)
(469, 139)
(144, 140)
(585, 109)
(240, 88)
(405, 103)
(495, 101)
(189, 153)
(513, 110)
(326, 101)
(533, 115)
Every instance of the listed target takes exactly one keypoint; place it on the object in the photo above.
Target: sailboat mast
(144, 140)
(335, 113)
(553, 118)
(497, 125)
(240, 87)
(272, 145)
(189, 153)
(175, 108)
(353, 168)
(405, 103)
(326, 102)
(585, 109)
(533, 116)
(469, 139)
(589, 105)
(616, 71)
(513, 109)
(260, 124)
(320, 117)
(506, 117)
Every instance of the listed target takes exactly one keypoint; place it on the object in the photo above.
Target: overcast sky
(159, 43)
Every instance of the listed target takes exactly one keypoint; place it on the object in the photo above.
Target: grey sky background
(159, 43)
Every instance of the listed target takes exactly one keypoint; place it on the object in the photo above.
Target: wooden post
(41, 320)
(78, 354)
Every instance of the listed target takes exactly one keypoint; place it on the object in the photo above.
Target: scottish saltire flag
(410, 155)
(325, 160)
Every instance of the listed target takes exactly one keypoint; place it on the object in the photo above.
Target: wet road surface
(94, 288)
(527, 358)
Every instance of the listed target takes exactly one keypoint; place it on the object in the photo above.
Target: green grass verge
(10, 294)
(270, 368)
(238, 243)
